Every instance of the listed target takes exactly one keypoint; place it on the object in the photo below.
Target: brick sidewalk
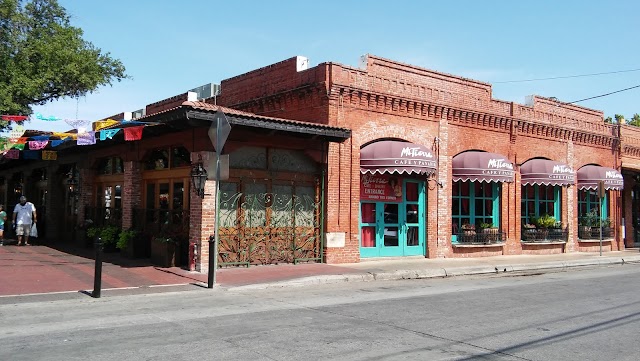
(44, 269)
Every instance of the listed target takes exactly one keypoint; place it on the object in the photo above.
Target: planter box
(163, 254)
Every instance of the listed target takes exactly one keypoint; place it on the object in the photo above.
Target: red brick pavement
(60, 268)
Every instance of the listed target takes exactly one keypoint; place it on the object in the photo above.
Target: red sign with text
(380, 188)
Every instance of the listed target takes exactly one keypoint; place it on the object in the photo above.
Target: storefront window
(111, 165)
(538, 200)
(180, 157)
(475, 203)
(588, 205)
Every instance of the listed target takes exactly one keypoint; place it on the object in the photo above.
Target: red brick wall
(388, 99)
(131, 192)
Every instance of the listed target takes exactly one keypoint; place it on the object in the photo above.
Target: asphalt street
(586, 314)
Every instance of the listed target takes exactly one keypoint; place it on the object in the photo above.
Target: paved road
(588, 314)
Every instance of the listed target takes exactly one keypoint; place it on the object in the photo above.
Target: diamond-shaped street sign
(219, 131)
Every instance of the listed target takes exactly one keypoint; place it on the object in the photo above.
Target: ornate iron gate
(271, 222)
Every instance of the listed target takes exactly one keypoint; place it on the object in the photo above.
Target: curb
(441, 272)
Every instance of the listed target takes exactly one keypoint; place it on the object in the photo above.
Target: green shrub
(546, 221)
(125, 237)
(108, 234)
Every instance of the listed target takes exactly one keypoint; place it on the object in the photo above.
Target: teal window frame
(540, 197)
(588, 199)
(476, 194)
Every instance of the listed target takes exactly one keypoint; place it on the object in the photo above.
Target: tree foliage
(44, 58)
(635, 120)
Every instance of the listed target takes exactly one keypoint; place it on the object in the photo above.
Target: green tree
(44, 58)
(635, 120)
(619, 118)
(608, 120)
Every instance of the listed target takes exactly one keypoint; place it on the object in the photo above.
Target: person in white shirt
(25, 214)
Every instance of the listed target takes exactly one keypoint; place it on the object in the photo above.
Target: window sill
(477, 245)
(604, 240)
(543, 242)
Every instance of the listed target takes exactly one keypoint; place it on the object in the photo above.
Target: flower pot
(490, 235)
(163, 254)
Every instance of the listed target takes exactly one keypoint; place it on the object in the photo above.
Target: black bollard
(97, 276)
(212, 265)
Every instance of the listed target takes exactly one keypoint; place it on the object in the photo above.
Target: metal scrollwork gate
(270, 222)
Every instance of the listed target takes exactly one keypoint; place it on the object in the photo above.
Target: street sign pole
(223, 128)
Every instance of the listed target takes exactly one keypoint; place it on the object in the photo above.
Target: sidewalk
(63, 269)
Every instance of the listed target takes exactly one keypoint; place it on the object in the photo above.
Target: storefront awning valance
(547, 172)
(391, 156)
(590, 175)
(482, 167)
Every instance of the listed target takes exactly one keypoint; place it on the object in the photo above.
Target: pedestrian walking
(25, 214)
(3, 218)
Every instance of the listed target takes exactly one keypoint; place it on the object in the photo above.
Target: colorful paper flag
(37, 144)
(100, 124)
(19, 146)
(16, 132)
(14, 118)
(108, 133)
(49, 118)
(22, 140)
(12, 154)
(87, 138)
(55, 143)
(77, 123)
(133, 133)
(31, 154)
(49, 155)
(65, 135)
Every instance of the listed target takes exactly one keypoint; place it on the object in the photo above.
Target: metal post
(97, 276)
(217, 227)
(600, 218)
(212, 263)
(213, 249)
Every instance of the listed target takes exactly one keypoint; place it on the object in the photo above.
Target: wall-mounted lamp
(198, 178)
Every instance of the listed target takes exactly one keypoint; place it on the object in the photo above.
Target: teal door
(389, 229)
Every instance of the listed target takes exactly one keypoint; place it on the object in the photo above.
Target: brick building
(335, 163)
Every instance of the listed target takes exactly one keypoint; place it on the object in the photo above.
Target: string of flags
(13, 145)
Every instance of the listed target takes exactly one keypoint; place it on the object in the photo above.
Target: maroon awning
(483, 167)
(391, 156)
(547, 172)
(590, 175)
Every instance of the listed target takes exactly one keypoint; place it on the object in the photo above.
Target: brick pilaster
(131, 192)
(443, 246)
(201, 220)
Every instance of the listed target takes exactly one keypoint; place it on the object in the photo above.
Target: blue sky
(169, 47)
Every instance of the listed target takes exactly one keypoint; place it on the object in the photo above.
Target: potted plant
(163, 250)
(587, 222)
(126, 242)
(108, 234)
(468, 232)
(490, 232)
(529, 234)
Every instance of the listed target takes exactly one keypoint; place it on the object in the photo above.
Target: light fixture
(198, 178)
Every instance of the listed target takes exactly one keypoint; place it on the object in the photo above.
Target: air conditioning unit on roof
(138, 113)
(207, 91)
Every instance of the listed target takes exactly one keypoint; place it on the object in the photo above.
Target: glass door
(389, 229)
(414, 219)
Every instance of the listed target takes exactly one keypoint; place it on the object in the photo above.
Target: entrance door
(394, 228)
